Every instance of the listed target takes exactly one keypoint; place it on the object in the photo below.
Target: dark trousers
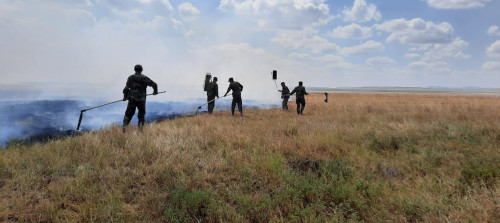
(237, 100)
(285, 103)
(301, 103)
(211, 105)
(129, 113)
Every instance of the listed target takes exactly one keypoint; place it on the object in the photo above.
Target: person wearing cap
(236, 88)
(300, 99)
(212, 92)
(135, 93)
(285, 95)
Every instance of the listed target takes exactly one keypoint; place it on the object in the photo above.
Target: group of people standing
(135, 93)
(212, 90)
(299, 98)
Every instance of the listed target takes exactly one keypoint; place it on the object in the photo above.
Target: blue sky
(87, 48)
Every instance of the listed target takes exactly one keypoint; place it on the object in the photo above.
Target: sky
(77, 49)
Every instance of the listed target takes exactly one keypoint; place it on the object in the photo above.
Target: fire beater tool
(199, 107)
(84, 110)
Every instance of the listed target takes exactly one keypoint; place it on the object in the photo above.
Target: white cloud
(433, 42)
(432, 55)
(446, 50)
(265, 6)
(456, 4)
(361, 12)
(138, 17)
(167, 4)
(430, 66)
(494, 31)
(38, 44)
(179, 26)
(104, 51)
(239, 61)
(300, 55)
(412, 56)
(305, 39)
(73, 3)
(491, 65)
(330, 58)
(188, 11)
(416, 31)
(80, 18)
(380, 61)
(352, 31)
(242, 47)
(280, 13)
(363, 49)
(494, 49)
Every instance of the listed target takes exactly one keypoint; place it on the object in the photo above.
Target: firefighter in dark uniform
(285, 95)
(212, 92)
(236, 88)
(300, 100)
(135, 93)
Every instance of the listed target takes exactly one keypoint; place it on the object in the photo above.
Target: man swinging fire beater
(236, 87)
(135, 93)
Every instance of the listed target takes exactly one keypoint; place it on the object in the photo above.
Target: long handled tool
(326, 96)
(199, 107)
(84, 110)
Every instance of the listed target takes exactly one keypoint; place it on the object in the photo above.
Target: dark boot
(126, 121)
(140, 124)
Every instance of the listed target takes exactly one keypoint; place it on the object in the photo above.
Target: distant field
(362, 157)
(495, 91)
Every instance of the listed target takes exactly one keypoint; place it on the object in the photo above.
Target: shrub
(383, 143)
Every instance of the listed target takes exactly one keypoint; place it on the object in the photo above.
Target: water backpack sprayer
(275, 77)
(84, 110)
(208, 79)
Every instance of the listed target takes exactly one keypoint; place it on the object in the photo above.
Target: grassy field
(363, 157)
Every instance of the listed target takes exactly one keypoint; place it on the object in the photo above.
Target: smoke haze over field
(25, 119)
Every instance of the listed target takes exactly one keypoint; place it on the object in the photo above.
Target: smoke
(63, 51)
(47, 119)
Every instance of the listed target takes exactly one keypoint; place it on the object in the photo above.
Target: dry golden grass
(361, 157)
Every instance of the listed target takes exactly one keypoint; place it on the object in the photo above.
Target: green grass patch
(481, 174)
(186, 205)
(413, 208)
